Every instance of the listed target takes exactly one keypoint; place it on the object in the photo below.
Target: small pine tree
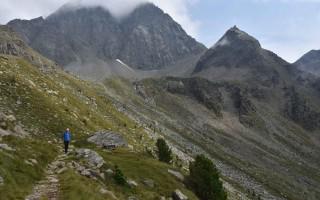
(164, 152)
(119, 176)
(204, 180)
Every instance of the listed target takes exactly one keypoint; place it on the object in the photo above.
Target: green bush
(204, 180)
(119, 176)
(164, 152)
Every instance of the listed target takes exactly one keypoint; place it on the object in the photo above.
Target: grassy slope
(48, 102)
(273, 153)
(19, 176)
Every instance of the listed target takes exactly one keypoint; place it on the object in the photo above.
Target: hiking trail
(48, 188)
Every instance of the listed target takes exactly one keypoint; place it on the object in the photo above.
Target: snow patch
(222, 42)
(124, 64)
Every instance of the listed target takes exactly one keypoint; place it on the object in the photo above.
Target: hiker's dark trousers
(66, 146)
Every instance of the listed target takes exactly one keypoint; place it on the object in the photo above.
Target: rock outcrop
(6, 147)
(10, 126)
(176, 174)
(178, 195)
(92, 158)
(108, 139)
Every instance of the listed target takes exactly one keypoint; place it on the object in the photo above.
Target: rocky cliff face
(12, 44)
(146, 39)
(310, 62)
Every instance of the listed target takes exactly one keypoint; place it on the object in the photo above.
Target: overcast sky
(290, 28)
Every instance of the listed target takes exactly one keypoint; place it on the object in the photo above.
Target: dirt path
(48, 188)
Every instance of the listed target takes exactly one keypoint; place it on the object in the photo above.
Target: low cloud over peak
(117, 8)
(28, 9)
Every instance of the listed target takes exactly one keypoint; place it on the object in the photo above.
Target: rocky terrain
(145, 39)
(310, 62)
(258, 127)
(253, 142)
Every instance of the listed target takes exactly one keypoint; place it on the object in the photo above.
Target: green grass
(140, 167)
(19, 177)
(87, 108)
(76, 187)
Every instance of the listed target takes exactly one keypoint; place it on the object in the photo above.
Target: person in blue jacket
(66, 139)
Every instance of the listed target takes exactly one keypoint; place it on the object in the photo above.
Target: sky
(289, 28)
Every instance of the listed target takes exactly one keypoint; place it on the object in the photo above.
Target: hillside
(36, 106)
(146, 39)
(243, 128)
(255, 114)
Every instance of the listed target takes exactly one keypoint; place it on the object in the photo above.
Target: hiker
(66, 139)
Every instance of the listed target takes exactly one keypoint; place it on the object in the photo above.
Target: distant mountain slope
(310, 62)
(243, 127)
(146, 39)
(239, 56)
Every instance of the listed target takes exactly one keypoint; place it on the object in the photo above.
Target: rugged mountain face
(12, 44)
(310, 62)
(264, 139)
(239, 56)
(146, 39)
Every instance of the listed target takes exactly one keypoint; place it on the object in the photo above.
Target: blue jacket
(67, 136)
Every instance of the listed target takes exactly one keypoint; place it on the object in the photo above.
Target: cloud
(179, 10)
(117, 8)
(28, 9)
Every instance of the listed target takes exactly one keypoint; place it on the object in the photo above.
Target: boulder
(60, 171)
(93, 159)
(109, 172)
(178, 195)
(6, 147)
(19, 131)
(176, 174)
(107, 192)
(132, 198)
(149, 183)
(34, 161)
(1, 181)
(9, 126)
(11, 118)
(86, 172)
(57, 165)
(132, 183)
(4, 132)
(108, 139)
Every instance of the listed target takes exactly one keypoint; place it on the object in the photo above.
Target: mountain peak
(310, 62)
(118, 9)
(235, 37)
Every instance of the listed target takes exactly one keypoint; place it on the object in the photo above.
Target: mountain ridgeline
(145, 39)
